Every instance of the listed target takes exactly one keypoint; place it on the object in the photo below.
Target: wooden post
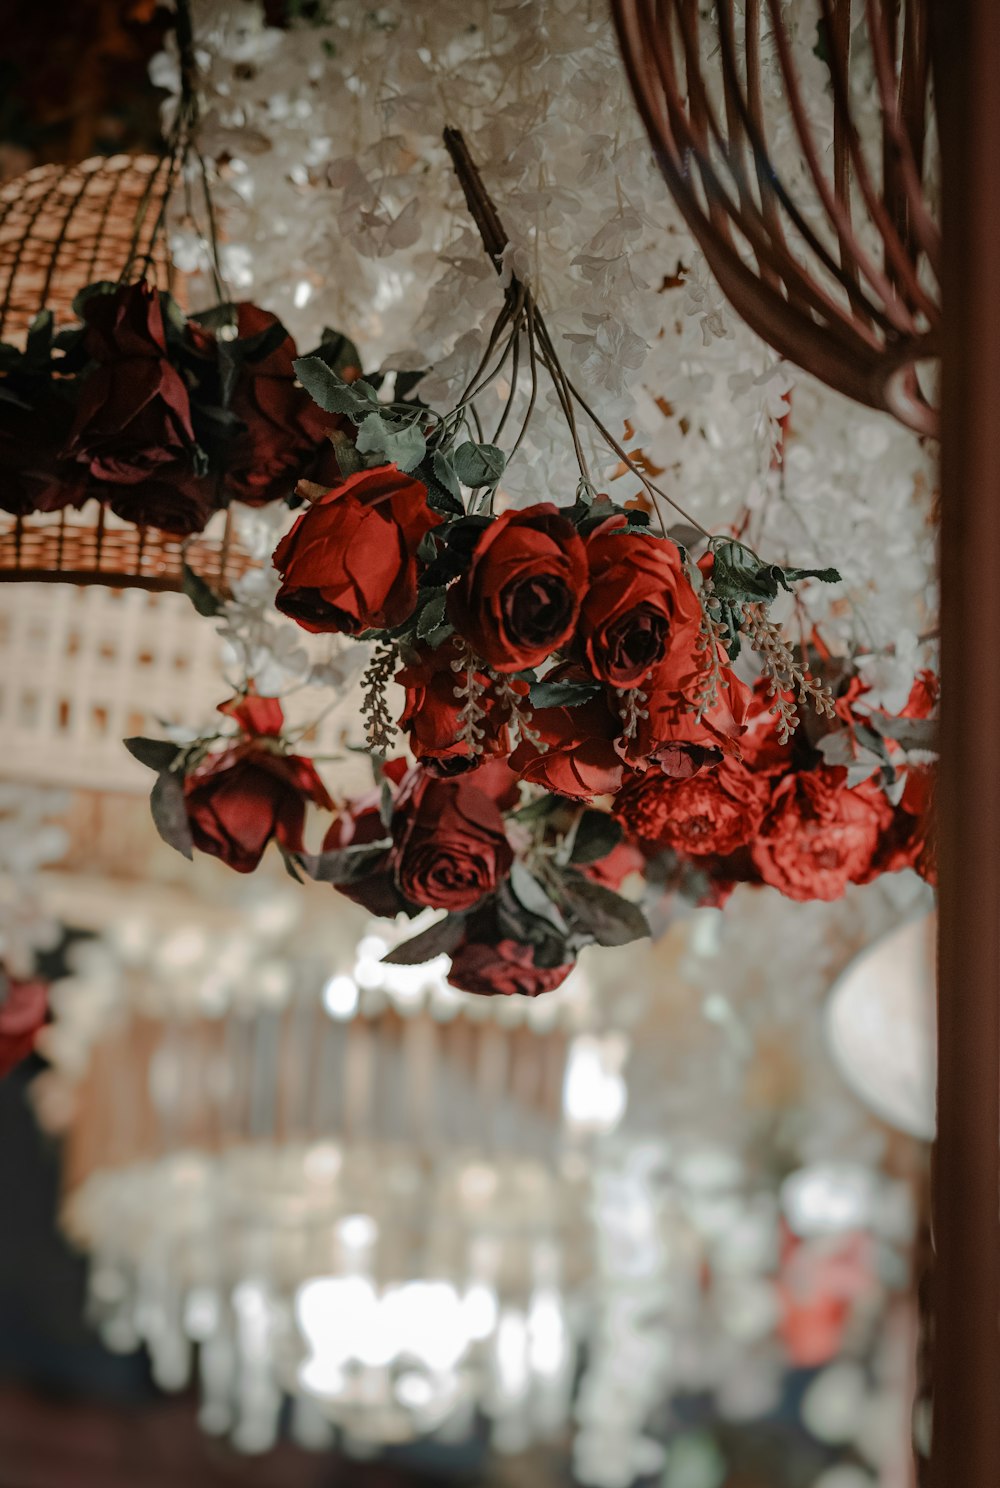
(965, 1451)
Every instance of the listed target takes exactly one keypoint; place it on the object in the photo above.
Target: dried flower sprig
(469, 692)
(788, 681)
(380, 729)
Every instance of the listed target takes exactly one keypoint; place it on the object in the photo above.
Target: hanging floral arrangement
(573, 718)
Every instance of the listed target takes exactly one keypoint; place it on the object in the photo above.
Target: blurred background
(272, 1213)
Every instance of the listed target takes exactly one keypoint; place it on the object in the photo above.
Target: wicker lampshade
(838, 268)
(62, 228)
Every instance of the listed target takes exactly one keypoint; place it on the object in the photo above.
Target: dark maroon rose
(519, 599)
(375, 889)
(451, 849)
(32, 477)
(283, 429)
(23, 1006)
(349, 563)
(172, 500)
(134, 414)
(502, 968)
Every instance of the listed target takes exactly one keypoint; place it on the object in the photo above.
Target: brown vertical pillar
(966, 1189)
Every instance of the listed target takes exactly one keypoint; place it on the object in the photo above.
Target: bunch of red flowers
(807, 817)
(164, 419)
(570, 643)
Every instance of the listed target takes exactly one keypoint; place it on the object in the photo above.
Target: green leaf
(155, 754)
(403, 447)
(331, 392)
(439, 939)
(338, 351)
(201, 595)
(827, 575)
(405, 384)
(170, 812)
(444, 473)
(432, 616)
(39, 343)
(479, 464)
(345, 865)
(912, 733)
(562, 694)
(100, 286)
(530, 894)
(597, 834)
(598, 914)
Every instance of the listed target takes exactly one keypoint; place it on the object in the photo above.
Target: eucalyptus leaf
(170, 812)
(479, 464)
(403, 447)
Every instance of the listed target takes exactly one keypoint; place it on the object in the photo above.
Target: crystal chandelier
(305, 1174)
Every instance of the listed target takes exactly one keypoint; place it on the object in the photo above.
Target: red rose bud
(819, 836)
(239, 800)
(258, 717)
(640, 618)
(23, 1006)
(134, 415)
(349, 563)
(711, 813)
(434, 702)
(451, 849)
(520, 597)
(501, 968)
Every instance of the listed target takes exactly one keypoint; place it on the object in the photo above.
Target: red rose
(669, 733)
(349, 563)
(711, 813)
(172, 500)
(239, 799)
(434, 701)
(23, 1006)
(640, 618)
(283, 428)
(520, 597)
(908, 841)
(451, 849)
(133, 414)
(576, 755)
(502, 968)
(819, 836)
